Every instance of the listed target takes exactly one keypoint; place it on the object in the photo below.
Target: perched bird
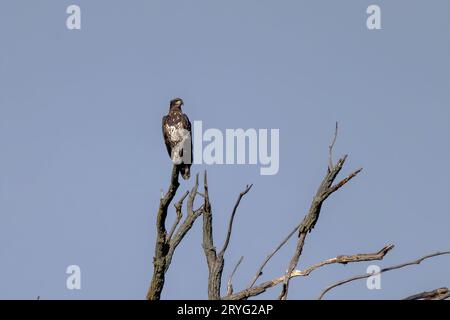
(176, 129)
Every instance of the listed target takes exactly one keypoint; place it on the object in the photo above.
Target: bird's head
(176, 103)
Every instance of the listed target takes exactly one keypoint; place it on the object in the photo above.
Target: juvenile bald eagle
(176, 129)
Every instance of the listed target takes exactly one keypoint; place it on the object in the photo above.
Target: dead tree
(167, 241)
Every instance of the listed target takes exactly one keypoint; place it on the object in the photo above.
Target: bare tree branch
(178, 208)
(230, 279)
(342, 259)
(187, 224)
(270, 255)
(325, 189)
(367, 275)
(349, 259)
(437, 294)
(215, 267)
(162, 247)
(230, 224)
(167, 243)
(330, 148)
(344, 181)
(215, 261)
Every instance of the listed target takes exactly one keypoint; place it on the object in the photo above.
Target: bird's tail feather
(185, 172)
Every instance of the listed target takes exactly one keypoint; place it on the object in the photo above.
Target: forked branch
(166, 243)
(325, 189)
(215, 260)
(342, 259)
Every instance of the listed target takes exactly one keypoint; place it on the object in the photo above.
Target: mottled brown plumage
(176, 129)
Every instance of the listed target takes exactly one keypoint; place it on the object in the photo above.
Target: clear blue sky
(82, 160)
